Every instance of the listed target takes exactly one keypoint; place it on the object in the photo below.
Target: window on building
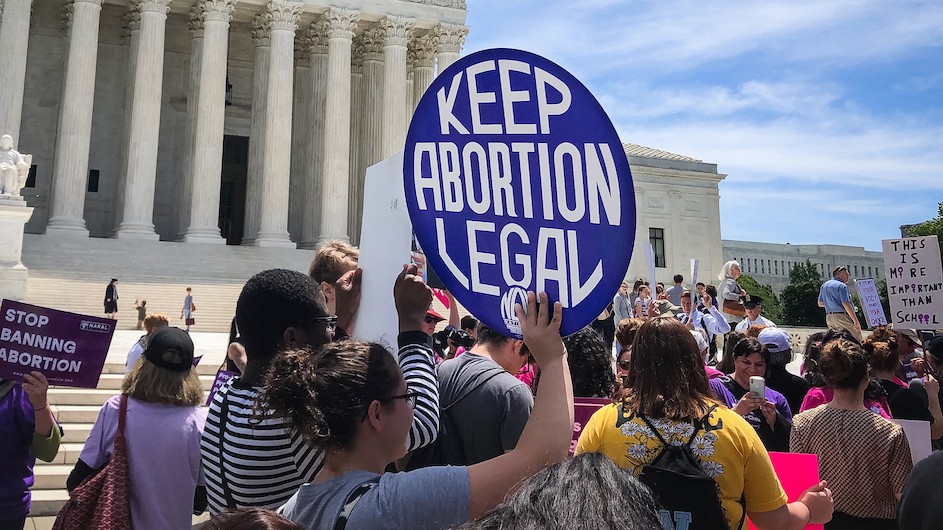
(776, 266)
(762, 267)
(657, 237)
(31, 177)
(93, 180)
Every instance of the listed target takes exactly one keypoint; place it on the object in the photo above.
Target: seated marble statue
(14, 167)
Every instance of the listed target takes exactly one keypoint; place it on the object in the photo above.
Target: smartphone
(758, 386)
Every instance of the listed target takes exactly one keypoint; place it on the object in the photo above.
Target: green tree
(772, 308)
(930, 227)
(800, 297)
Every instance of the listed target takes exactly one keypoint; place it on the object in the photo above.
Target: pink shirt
(817, 396)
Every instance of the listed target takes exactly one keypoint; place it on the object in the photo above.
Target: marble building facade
(213, 121)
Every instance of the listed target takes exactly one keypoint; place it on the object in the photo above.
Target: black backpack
(688, 496)
(447, 449)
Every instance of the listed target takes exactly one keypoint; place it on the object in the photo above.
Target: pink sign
(797, 472)
(583, 409)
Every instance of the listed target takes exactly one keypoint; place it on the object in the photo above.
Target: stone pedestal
(13, 217)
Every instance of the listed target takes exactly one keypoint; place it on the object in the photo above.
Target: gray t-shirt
(432, 498)
(492, 405)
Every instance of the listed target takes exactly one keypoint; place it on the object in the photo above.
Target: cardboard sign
(222, 377)
(797, 472)
(873, 311)
(517, 181)
(67, 348)
(385, 242)
(918, 436)
(583, 409)
(914, 281)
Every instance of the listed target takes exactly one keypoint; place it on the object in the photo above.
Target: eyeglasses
(330, 320)
(431, 319)
(409, 397)
(624, 365)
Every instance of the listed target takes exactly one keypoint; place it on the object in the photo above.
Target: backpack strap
(351, 502)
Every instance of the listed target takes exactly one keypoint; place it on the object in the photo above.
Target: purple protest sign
(516, 180)
(67, 348)
(222, 377)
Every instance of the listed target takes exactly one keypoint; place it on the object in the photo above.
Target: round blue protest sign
(517, 181)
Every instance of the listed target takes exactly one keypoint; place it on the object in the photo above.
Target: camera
(461, 338)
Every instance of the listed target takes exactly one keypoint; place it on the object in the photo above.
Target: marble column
(337, 124)
(396, 31)
(300, 129)
(132, 20)
(371, 142)
(448, 39)
(14, 39)
(260, 36)
(74, 135)
(357, 168)
(144, 132)
(314, 140)
(207, 162)
(195, 25)
(423, 50)
(276, 165)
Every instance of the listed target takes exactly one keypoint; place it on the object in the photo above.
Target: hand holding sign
(516, 181)
(541, 326)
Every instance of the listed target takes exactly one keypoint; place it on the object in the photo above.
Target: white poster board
(918, 435)
(914, 281)
(694, 265)
(873, 311)
(650, 256)
(385, 238)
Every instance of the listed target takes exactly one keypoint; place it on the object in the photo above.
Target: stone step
(51, 476)
(76, 413)
(79, 396)
(75, 432)
(68, 455)
(48, 502)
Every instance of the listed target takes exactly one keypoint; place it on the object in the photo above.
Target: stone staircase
(71, 274)
(77, 409)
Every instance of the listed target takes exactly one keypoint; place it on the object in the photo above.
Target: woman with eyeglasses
(350, 398)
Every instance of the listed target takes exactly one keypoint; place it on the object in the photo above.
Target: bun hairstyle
(843, 363)
(325, 392)
(882, 354)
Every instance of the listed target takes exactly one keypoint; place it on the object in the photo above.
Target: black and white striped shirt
(263, 461)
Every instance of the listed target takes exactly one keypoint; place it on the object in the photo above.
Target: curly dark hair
(271, 302)
(590, 364)
(325, 393)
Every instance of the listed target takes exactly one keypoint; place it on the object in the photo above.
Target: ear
(327, 289)
(292, 337)
(519, 347)
(375, 415)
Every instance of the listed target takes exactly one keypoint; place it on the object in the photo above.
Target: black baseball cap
(752, 300)
(170, 348)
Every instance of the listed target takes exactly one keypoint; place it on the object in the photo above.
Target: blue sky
(826, 116)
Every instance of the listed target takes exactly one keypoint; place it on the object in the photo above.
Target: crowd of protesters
(466, 428)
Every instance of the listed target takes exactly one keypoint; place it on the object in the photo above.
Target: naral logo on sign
(97, 327)
(517, 181)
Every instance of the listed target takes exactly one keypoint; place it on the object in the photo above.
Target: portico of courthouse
(252, 123)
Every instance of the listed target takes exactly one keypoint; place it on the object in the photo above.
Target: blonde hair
(155, 321)
(332, 260)
(152, 384)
